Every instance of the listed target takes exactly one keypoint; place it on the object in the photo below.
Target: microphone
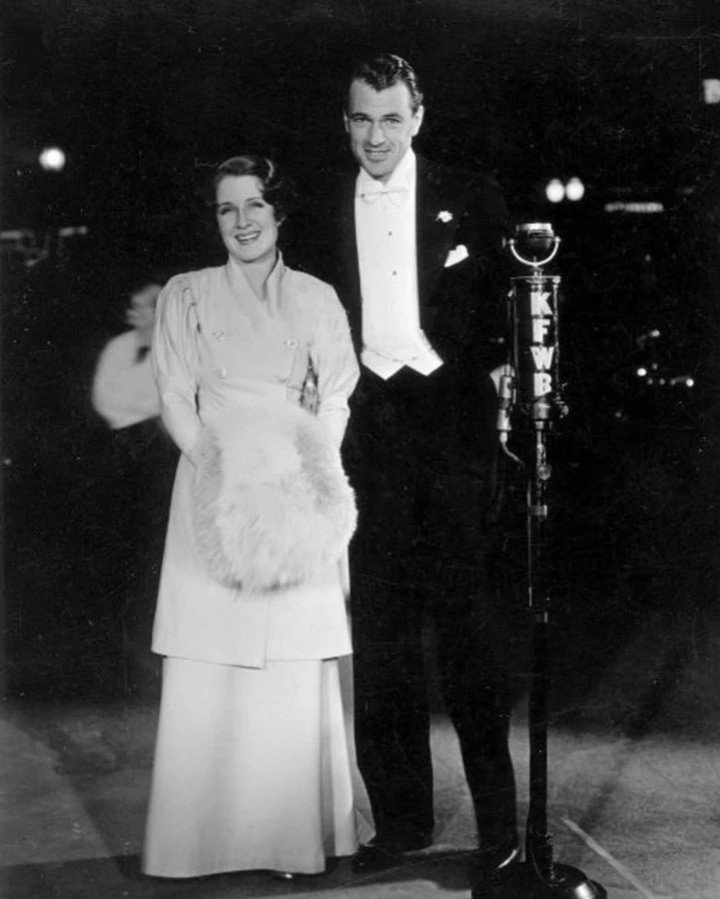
(534, 320)
(506, 402)
(506, 396)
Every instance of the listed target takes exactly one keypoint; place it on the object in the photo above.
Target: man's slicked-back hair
(386, 70)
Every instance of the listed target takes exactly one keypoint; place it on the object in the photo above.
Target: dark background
(145, 96)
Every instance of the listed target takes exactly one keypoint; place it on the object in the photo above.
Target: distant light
(555, 190)
(620, 206)
(687, 380)
(711, 90)
(52, 159)
(641, 372)
(648, 335)
(574, 189)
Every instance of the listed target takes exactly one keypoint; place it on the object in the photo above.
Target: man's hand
(502, 370)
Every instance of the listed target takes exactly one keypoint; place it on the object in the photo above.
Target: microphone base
(522, 881)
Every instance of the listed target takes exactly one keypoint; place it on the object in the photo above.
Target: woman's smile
(247, 223)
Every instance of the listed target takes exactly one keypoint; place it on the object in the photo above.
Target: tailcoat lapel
(350, 267)
(434, 238)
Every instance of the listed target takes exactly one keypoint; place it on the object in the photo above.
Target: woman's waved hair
(277, 189)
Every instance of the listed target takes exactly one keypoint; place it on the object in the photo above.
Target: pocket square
(457, 254)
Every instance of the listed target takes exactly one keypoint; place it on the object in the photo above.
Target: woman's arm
(175, 359)
(335, 363)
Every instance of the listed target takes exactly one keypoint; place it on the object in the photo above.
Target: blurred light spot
(555, 190)
(641, 208)
(686, 380)
(648, 335)
(574, 189)
(52, 159)
(711, 90)
(641, 372)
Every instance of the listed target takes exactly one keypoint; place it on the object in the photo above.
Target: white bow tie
(396, 195)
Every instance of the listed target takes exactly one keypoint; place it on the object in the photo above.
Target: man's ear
(346, 122)
(418, 119)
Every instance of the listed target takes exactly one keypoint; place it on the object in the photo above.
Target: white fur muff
(271, 503)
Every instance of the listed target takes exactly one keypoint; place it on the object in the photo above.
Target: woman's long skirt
(254, 769)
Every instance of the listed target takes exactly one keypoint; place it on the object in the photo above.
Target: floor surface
(635, 808)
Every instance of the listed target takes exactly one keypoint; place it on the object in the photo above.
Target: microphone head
(534, 239)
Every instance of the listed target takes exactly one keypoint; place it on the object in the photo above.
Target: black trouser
(418, 557)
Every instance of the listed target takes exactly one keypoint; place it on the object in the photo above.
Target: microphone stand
(531, 383)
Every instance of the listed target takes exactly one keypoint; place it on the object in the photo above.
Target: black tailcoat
(420, 452)
(461, 306)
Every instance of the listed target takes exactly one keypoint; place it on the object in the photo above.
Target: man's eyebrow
(366, 115)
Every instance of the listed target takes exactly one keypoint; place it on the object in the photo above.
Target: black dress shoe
(382, 855)
(292, 875)
(374, 858)
(495, 861)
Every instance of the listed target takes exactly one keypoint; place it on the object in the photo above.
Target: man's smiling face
(381, 126)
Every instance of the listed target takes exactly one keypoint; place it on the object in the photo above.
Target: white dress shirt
(124, 390)
(385, 225)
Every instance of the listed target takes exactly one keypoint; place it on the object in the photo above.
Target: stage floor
(75, 783)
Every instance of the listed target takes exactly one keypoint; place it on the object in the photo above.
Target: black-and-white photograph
(360, 449)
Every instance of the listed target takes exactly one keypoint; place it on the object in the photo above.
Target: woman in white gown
(254, 763)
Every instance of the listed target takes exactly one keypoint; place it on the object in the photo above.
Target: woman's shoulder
(192, 279)
(189, 287)
(311, 289)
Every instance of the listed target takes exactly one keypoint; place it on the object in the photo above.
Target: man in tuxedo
(412, 245)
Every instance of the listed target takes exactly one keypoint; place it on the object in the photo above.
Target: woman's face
(247, 223)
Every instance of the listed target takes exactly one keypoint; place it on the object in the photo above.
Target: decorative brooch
(444, 216)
